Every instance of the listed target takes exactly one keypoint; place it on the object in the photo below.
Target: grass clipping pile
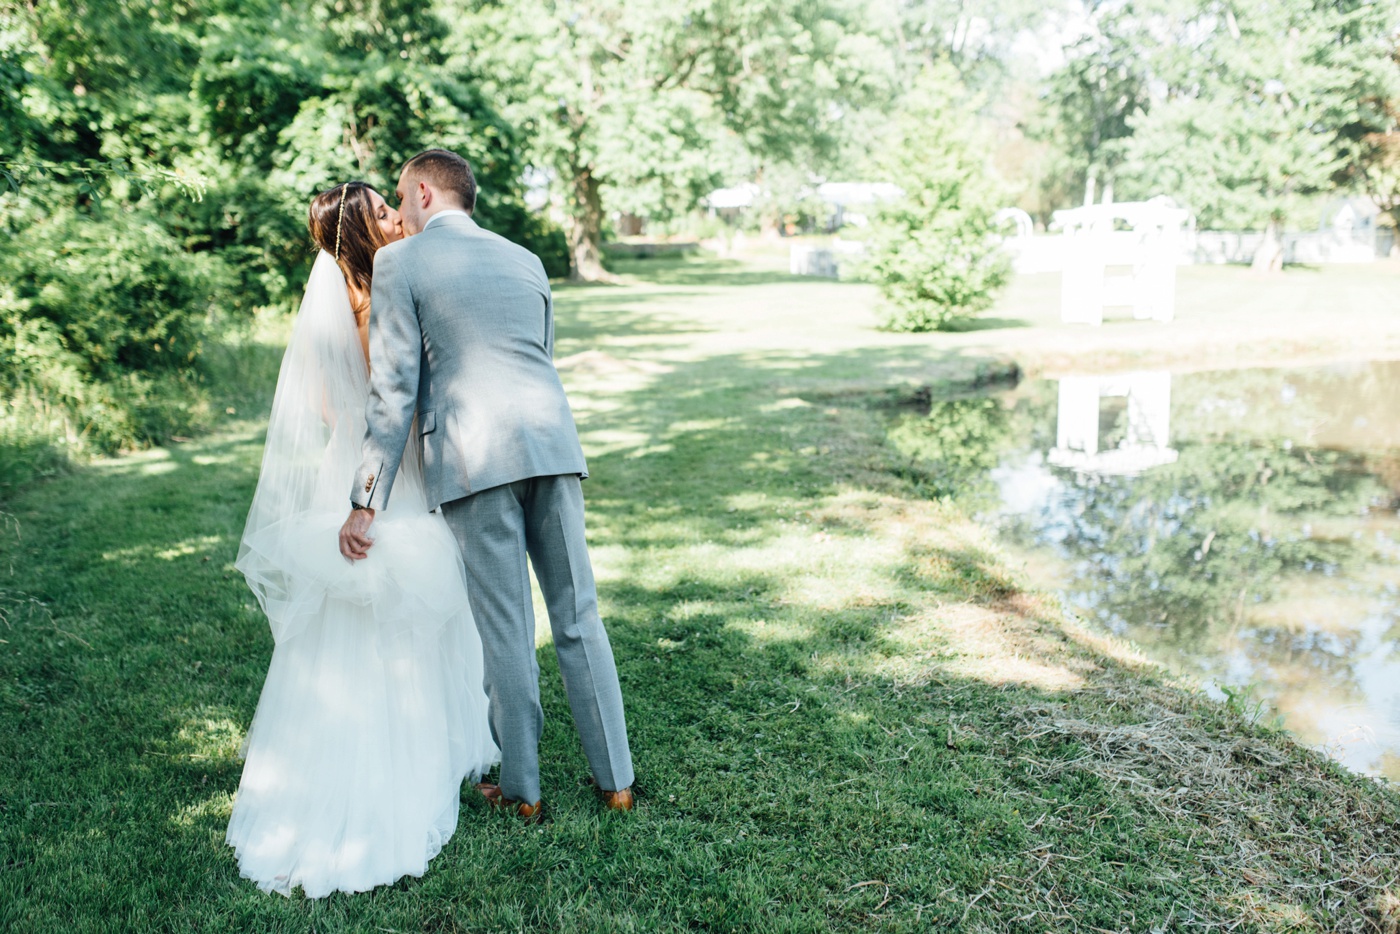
(1288, 838)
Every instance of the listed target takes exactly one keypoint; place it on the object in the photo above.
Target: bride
(373, 712)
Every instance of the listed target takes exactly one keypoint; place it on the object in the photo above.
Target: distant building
(730, 203)
(846, 202)
(853, 202)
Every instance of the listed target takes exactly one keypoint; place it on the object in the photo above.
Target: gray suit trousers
(496, 529)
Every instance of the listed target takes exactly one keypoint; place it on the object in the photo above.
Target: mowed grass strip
(847, 713)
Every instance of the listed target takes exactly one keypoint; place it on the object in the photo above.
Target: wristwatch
(354, 505)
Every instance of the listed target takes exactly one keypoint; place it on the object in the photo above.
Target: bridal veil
(372, 713)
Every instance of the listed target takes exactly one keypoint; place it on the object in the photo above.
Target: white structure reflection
(1146, 443)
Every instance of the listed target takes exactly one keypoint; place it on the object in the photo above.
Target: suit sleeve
(395, 353)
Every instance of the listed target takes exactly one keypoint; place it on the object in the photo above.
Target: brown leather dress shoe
(529, 813)
(618, 800)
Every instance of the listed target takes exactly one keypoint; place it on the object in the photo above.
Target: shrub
(119, 291)
(102, 321)
(934, 252)
(38, 381)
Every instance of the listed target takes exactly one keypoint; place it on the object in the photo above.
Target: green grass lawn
(847, 712)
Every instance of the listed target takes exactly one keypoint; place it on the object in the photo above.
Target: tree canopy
(649, 107)
(1237, 110)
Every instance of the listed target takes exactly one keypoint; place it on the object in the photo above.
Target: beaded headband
(340, 217)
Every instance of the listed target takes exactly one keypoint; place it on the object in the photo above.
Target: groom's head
(433, 181)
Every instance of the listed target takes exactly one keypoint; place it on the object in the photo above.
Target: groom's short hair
(447, 171)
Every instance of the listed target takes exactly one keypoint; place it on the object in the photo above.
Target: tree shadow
(809, 656)
(706, 271)
(718, 441)
(970, 325)
(611, 315)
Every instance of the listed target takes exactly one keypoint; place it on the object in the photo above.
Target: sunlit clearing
(190, 547)
(653, 449)
(771, 632)
(207, 735)
(996, 647)
(216, 808)
(782, 404)
(613, 441)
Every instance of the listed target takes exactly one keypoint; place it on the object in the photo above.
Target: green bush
(547, 241)
(102, 321)
(285, 129)
(934, 252)
(38, 384)
(155, 174)
(118, 290)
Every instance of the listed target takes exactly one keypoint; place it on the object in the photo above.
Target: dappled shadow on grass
(845, 714)
(701, 270)
(236, 371)
(968, 325)
(791, 745)
(619, 314)
(717, 449)
(924, 672)
(809, 733)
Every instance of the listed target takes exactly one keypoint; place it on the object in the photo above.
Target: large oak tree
(645, 106)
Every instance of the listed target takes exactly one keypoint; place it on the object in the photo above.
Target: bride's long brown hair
(342, 223)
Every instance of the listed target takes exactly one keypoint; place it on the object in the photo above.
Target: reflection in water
(1239, 525)
(1147, 400)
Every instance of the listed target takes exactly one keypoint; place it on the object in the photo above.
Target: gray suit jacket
(462, 331)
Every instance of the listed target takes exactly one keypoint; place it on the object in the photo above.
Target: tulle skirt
(372, 714)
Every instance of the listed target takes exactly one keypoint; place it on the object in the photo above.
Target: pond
(1240, 526)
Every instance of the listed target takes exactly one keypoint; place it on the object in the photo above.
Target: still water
(1240, 526)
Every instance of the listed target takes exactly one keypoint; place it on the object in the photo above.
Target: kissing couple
(420, 363)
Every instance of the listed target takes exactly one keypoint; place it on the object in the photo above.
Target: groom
(462, 332)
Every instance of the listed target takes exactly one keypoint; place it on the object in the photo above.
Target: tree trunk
(586, 232)
(1269, 257)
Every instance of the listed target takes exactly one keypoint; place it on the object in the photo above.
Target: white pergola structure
(806, 260)
(1147, 443)
(1025, 227)
(1105, 266)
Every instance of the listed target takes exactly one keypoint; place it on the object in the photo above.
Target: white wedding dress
(373, 711)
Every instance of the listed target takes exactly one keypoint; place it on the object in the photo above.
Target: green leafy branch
(89, 175)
